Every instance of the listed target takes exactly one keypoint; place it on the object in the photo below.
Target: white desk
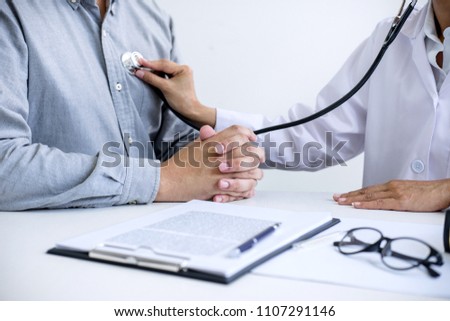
(28, 273)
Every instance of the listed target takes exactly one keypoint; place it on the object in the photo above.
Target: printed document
(198, 236)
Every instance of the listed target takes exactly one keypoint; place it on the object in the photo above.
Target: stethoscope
(130, 61)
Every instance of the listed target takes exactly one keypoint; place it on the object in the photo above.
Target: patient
(76, 130)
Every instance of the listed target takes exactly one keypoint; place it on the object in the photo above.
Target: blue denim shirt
(76, 130)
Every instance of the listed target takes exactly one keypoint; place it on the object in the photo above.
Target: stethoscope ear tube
(447, 231)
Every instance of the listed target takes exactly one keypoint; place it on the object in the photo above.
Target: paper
(193, 233)
(197, 236)
(322, 262)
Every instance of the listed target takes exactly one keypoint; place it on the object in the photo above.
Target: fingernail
(218, 199)
(342, 200)
(139, 73)
(224, 184)
(337, 196)
(223, 167)
(219, 149)
(356, 204)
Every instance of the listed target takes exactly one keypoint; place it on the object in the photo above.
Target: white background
(262, 56)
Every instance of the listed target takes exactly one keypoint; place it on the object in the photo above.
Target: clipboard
(209, 262)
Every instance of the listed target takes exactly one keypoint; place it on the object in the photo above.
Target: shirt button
(73, 1)
(130, 140)
(104, 32)
(418, 166)
(118, 86)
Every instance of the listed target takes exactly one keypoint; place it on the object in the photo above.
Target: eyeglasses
(403, 253)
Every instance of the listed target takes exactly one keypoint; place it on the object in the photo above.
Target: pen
(247, 245)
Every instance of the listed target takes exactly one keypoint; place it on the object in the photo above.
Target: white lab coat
(398, 118)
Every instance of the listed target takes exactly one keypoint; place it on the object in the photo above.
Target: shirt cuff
(226, 118)
(142, 181)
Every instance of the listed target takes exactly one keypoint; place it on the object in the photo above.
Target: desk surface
(28, 273)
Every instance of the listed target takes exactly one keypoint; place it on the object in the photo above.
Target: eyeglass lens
(358, 240)
(405, 253)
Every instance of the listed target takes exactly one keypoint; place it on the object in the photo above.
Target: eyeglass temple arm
(370, 247)
(407, 257)
(353, 241)
(433, 273)
(404, 257)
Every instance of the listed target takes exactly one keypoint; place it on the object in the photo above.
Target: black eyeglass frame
(376, 247)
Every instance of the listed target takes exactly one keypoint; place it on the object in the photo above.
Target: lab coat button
(118, 86)
(417, 166)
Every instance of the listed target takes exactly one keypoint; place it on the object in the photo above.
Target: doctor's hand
(178, 89)
(400, 195)
(222, 167)
(232, 155)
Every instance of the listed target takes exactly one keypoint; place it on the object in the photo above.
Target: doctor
(400, 119)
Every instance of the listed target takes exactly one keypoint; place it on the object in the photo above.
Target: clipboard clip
(112, 254)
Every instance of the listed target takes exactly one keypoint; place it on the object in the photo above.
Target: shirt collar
(76, 3)
(430, 25)
(414, 26)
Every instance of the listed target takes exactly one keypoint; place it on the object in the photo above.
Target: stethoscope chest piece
(130, 61)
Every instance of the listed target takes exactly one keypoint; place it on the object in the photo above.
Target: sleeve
(327, 141)
(33, 175)
(174, 133)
